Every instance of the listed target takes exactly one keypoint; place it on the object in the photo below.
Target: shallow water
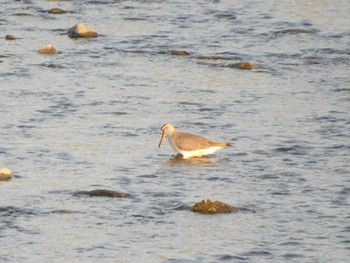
(93, 122)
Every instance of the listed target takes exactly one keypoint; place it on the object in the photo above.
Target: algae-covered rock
(208, 206)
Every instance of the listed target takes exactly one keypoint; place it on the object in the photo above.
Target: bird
(189, 145)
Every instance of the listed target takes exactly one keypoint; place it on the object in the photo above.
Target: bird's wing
(191, 142)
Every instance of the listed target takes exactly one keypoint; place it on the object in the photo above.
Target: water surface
(93, 122)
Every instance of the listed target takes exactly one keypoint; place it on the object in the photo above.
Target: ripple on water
(232, 258)
(9, 215)
(129, 70)
(294, 149)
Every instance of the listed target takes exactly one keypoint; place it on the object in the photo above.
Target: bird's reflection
(178, 160)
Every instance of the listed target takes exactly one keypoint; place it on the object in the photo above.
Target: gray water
(93, 122)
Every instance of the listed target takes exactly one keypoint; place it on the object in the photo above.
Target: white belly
(199, 152)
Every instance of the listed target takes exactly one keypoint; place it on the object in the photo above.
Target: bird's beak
(161, 139)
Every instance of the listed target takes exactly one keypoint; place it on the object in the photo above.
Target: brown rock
(48, 50)
(242, 65)
(213, 207)
(246, 66)
(56, 11)
(5, 174)
(102, 192)
(178, 53)
(81, 30)
(10, 37)
(53, 65)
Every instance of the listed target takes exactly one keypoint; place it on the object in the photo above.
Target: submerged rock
(48, 50)
(5, 174)
(243, 66)
(64, 211)
(178, 53)
(53, 65)
(213, 207)
(212, 58)
(56, 11)
(102, 192)
(10, 37)
(246, 65)
(81, 30)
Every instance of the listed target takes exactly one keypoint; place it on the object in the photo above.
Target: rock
(5, 174)
(10, 37)
(213, 207)
(246, 65)
(212, 58)
(81, 30)
(243, 66)
(53, 65)
(102, 192)
(48, 50)
(178, 53)
(56, 11)
(64, 211)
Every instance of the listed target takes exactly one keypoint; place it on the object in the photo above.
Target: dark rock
(10, 37)
(212, 58)
(213, 207)
(119, 113)
(53, 65)
(102, 192)
(64, 211)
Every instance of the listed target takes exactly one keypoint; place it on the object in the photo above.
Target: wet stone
(53, 65)
(64, 211)
(81, 31)
(242, 66)
(10, 37)
(212, 58)
(247, 65)
(178, 53)
(48, 50)
(103, 193)
(5, 174)
(56, 11)
(208, 206)
(21, 14)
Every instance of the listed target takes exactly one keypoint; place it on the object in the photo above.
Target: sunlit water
(93, 122)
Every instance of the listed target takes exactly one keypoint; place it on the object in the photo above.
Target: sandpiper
(189, 145)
